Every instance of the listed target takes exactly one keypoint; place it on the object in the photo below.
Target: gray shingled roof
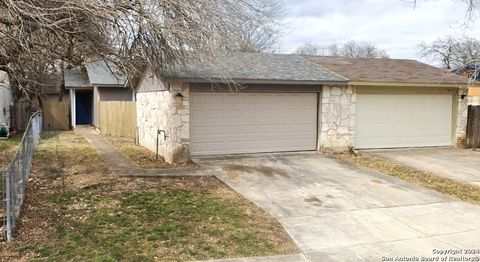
(75, 78)
(101, 73)
(98, 73)
(255, 67)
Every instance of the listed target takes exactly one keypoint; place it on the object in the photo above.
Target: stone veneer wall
(337, 117)
(462, 114)
(161, 108)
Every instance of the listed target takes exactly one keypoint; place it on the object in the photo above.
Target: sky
(396, 26)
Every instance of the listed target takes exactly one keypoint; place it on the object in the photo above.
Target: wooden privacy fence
(22, 110)
(56, 115)
(118, 118)
(473, 127)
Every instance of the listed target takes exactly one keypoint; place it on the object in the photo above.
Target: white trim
(72, 108)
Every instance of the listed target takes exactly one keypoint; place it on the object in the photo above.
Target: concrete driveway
(335, 211)
(457, 164)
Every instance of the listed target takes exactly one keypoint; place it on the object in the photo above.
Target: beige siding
(115, 94)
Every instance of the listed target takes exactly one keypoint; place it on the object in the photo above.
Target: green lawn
(77, 211)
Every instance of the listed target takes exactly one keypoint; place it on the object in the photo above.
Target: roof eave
(259, 81)
(110, 85)
(407, 84)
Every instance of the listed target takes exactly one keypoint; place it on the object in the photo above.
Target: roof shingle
(387, 70)
(254, 67)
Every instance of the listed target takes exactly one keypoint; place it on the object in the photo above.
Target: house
(52, 88)
(399, 103)
(6, 99)
(472, 71)
(98, 81)
(297, 103)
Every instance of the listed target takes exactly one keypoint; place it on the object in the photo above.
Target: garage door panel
(403, 120)
(252, 122)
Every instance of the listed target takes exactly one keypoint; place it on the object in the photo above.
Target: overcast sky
(393, 25)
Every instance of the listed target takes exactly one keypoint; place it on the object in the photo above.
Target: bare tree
(46, 36)
(357, 49)
(440, 50)
(451, 52)
(261, 33)
(310, 49)
(349, 49)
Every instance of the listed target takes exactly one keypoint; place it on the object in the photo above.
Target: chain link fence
(15, 177)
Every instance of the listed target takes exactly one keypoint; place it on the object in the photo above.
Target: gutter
(259, 81)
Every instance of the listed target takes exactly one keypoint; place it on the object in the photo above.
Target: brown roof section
(387, 70)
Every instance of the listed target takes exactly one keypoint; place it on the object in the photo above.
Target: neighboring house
(52, 90)
(6, 99)
(474, 96)
(98, 81)
(295, 103)
(472, 71)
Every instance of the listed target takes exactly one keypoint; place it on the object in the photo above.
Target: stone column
(337, 118)
(462, 113)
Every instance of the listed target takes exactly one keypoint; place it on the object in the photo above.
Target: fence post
(8, 207)
(473, 127)
(16, 175)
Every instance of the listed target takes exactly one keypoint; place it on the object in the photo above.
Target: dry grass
(8, 148)
(143, 157)
(428, 180)
(76, 211)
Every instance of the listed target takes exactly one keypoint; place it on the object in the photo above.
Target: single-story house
(298, 103)
(6, 99)
(98, 81)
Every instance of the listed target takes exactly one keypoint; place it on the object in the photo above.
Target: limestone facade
(337, 117)
(461, 117)
(164, 111)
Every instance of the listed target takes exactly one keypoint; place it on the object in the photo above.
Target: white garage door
(403, 120)
(228, 123)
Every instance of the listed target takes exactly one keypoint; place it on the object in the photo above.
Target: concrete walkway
(458, 164)
(335, 211)
(121, 165)
(115, 161)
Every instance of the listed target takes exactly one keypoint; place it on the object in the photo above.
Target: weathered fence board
(22, 112)
(56, 115)
(473, 127)
(118, 118)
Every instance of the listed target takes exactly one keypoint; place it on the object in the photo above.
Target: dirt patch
(143, 157)
(231, 170)
(8, 148)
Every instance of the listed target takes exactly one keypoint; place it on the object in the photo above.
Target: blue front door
(83, 107)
